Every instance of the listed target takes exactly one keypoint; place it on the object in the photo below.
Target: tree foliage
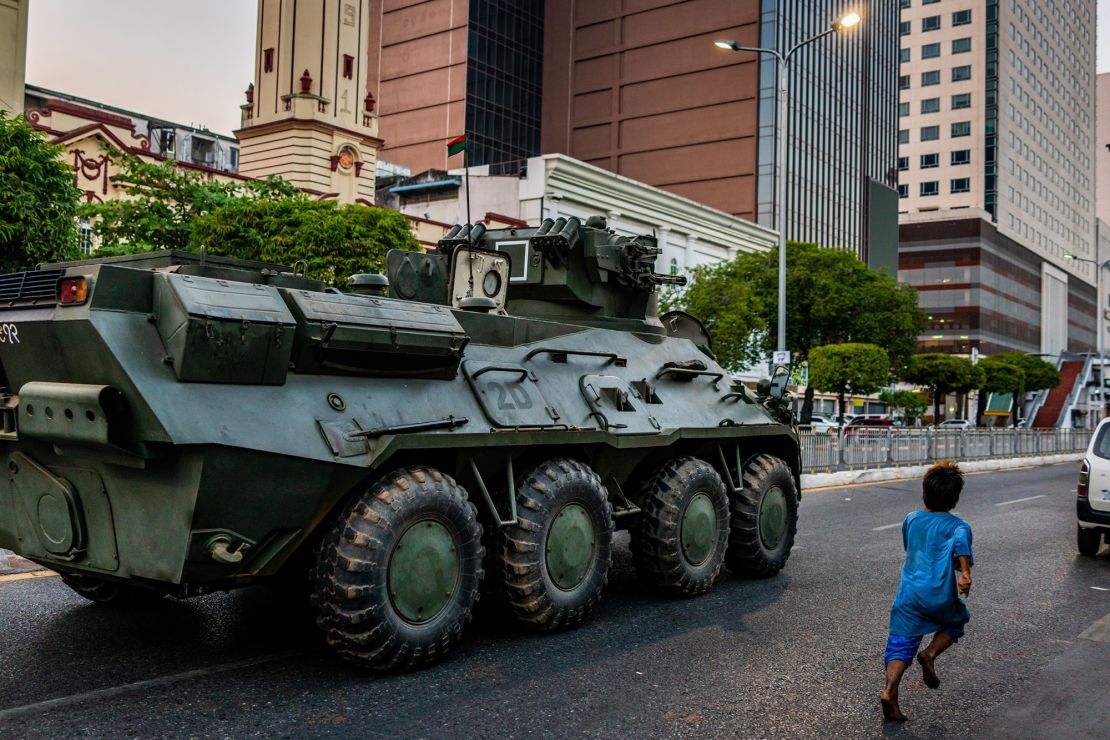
(941, 374)
(38, 199)
(1016, 372)
(1039, 374)
(831, 298)
(335, 241)
(910, 404)
(174, 207)
(164, 201)
(848, 368)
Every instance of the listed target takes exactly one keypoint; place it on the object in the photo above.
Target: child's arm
(963, 581)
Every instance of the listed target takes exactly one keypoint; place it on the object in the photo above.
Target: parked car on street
(1092, 503)
(868, 422)
(819, 423)
(956, 424)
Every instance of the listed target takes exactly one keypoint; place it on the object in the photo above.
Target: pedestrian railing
(853, 449)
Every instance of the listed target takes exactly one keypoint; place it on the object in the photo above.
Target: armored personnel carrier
(480, 419)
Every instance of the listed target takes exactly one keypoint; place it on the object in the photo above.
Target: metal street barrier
(858, 448)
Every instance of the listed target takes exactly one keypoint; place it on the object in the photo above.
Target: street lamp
(783, 60)
(1099, 311)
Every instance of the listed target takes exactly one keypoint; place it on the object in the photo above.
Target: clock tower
(309, 115)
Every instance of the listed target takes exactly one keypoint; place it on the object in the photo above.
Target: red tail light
(73, 291)
(1084, 479)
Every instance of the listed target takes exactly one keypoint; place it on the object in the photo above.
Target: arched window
(674, 265)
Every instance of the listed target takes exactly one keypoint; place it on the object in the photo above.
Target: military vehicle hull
(188, 427)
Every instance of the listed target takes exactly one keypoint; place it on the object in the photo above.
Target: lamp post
(1099, 311)
(783, 60)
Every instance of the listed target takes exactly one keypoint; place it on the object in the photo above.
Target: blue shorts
(905, 648)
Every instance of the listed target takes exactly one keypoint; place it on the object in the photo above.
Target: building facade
(309, 115)
(638, 89)
(997, 116)
(13, 54)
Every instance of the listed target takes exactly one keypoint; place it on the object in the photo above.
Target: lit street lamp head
(1069, 256)
(847, 22)
(730, 45)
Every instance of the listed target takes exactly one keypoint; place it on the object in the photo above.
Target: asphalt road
(798, 655)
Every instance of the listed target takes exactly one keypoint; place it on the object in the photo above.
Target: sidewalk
(811, 481)
(12, 563)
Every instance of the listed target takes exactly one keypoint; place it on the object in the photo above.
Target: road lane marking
(24, 576)
(1100, 588)
(887, 526)
(115, 691)
(1097, 632)
(1021, 500)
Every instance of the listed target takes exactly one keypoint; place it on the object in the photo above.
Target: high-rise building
(996, 172)
(13, 54)
(639, 89)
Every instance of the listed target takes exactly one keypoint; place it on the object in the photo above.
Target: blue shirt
(927, 599)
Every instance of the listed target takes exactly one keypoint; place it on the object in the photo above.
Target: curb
(12, 563)
(812, 481)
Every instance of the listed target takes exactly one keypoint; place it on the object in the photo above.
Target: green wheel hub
(570, 548)
(423, 571)
(772, 517)
(699, 529)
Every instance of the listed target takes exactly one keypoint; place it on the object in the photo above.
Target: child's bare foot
(928, 670)
(891, 710)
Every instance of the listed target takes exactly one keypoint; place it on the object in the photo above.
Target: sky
(187, 62)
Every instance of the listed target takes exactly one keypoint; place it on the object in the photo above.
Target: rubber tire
(747, 555)
(1088, 540)
(350, 580)
(657, 541)
(532, 597)
(109, 593)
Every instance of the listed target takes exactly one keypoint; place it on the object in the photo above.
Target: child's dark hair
(942, 485)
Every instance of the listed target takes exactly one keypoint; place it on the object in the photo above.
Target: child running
(938, 544)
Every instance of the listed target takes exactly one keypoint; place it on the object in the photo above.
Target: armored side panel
(217, 331)
(364, 335)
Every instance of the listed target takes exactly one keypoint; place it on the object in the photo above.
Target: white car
(820, 423)
(1092, 502)
(956, 424)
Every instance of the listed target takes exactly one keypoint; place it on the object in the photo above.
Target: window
(268, 60)
(904, 28)
(961, 18)
(904, 3)
(929, 2)
(84, 237)
(961, 156)
(904, 136)
(930, 105)
(929, 188)
(903, 164)
(348, 66)
(904, 82)
(932, 23)
(930, 78)
(233, 159)
(961, 128)
(961, 73)
(903, 56)
(930, 133)
(930, 161)
(903, 191)
(903, 110)
(963, 100)
(961, 46)
(960, 185)
(930, 51)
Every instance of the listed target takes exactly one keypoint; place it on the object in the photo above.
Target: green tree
(164, 202)
(848, 368)
(999, 376)
(335, 241)
(831, 297)
(910, 403)
(38, 200)
(941, 374)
